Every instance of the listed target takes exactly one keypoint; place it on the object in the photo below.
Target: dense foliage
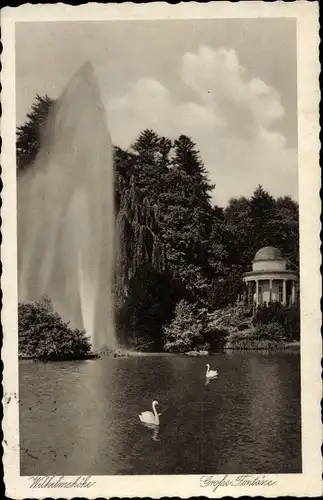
(240, 330)
(271, 331)
(254, 343)
(288, 317)
(185, 331)
(207, 248)
(44, 335)
(264, 336)
(174, 243)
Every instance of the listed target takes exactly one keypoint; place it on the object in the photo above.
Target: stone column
(257, 293)
(293, 292)
(284, 292)
(270, 290)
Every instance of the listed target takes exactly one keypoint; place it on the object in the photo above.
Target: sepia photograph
(159, 297)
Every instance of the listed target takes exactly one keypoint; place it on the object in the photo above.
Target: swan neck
(155, 413)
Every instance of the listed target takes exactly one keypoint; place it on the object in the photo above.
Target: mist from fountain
(66, 214)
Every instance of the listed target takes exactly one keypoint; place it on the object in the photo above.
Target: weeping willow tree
(139, 250)
(138, 240)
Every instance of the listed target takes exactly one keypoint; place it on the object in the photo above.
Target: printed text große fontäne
(244, 480)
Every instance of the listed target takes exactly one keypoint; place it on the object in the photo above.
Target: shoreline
(294, 346)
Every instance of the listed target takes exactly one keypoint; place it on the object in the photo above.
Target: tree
(149, 304)
(187, 216)
(185, 331)
(260, 221)
(187, 166)
(148, 162)
(262, 210)
(251, 224)
(42, 334)
(239, 234)
(166, 201)
(139, 248)
(284, 228)
(29, 134)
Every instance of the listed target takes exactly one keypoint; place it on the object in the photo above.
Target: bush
(224, 323)
(287, 316)
(216, 337)
(251, 343)
(185, 331)
(272, 331)
(293, 322)
(266, 337)
(269, 313)
(42, 334)
(230, 317)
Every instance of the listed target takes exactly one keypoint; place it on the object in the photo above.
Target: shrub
(293, 322)
(269, 313)
(230, 317)
(251, 343)
(215, 337)
(287, 316)
(225, 322)
(266, 337)
(42, 334)
(185, 331)
(271, 331)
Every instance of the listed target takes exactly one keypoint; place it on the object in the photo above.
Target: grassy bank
(251, 343)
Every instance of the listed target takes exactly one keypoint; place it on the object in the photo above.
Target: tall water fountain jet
(66, 214)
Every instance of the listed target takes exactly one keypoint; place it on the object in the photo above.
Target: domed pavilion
(270, 280)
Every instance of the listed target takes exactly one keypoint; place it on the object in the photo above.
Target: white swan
(150, 417)
(210, 373)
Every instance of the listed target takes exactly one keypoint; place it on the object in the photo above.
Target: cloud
(232, 119)
(146, 104)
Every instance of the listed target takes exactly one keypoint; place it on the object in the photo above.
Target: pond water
(81, 418)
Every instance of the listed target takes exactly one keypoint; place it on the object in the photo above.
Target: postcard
(161, 250)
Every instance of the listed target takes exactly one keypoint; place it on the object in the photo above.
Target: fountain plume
(66, 213)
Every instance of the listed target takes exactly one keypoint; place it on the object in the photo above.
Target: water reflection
(209, 380)
(154, 430)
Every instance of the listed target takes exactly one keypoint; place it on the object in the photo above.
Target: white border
(308, 483)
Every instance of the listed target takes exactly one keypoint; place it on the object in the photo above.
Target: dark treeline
(173, 242)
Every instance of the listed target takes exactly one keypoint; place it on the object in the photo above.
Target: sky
(229, 84)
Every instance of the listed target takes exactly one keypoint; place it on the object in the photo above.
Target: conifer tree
(262, 209)
(29, 134)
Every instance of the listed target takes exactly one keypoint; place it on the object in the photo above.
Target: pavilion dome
(268, 253)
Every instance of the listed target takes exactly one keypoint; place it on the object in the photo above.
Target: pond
(81, 417)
